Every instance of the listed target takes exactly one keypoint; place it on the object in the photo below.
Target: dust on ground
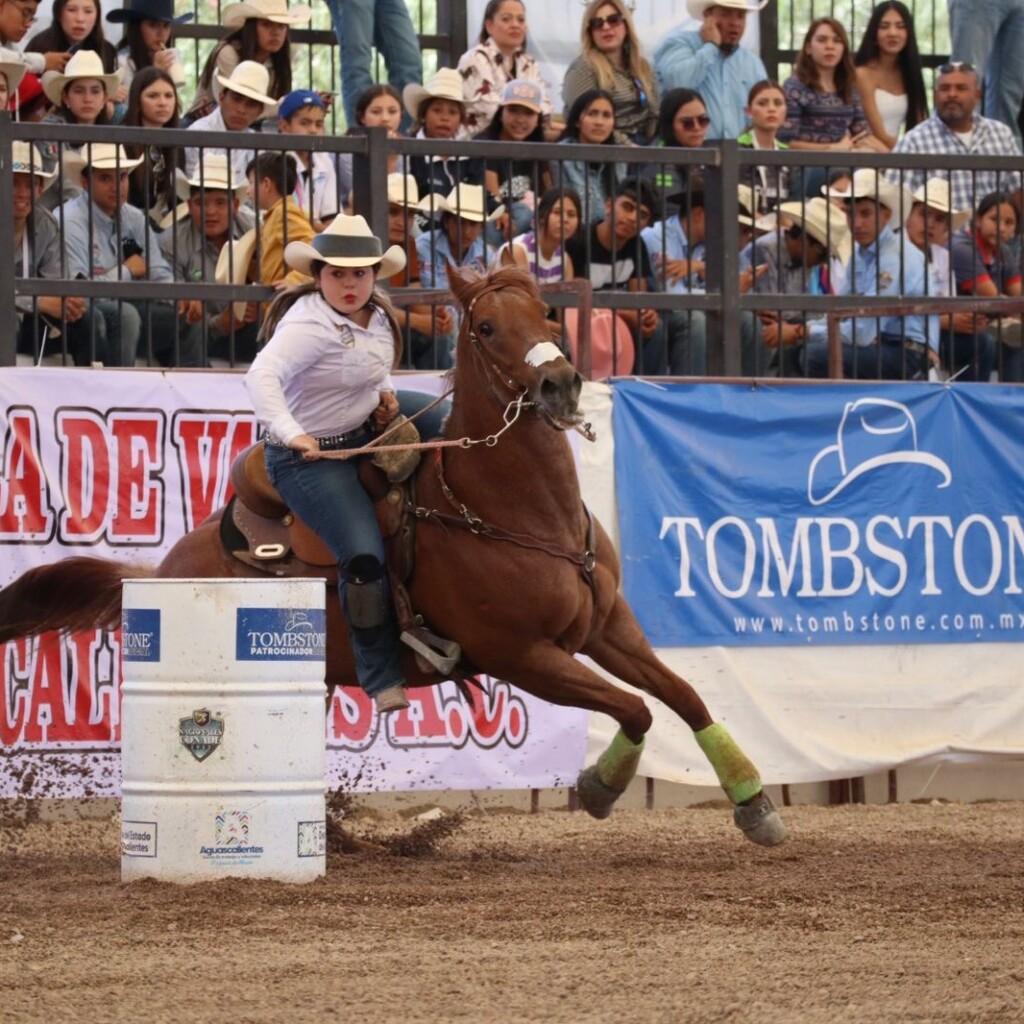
(897, 914)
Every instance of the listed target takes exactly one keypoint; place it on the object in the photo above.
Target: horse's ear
(457, 282)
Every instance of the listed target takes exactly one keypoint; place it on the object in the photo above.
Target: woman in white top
(322, 382)
(889, 77)
(148, 39)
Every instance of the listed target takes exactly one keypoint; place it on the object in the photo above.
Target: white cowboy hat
(346, 242)
(465, 201)
(212, 173)
(403, 191)
(235, 16)
(171, 217)
(101, 156)
(83, 64)
(12, 67)
(697, 8)
(252, 80)
(26, 159)
(822, 221)
(935, 192)
(233, 264)
(445, 85)
(867, 183)
(748, 209)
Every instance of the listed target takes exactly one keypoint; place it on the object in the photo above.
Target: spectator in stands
(798, 261)
(957, 128)
(766, 108)
(439, 112)
(29, 102)
(984, 267)
(515, 184)
(107, 239)
(543, 252)
(258, 32)
(590, 121)
(148, 39)
(12, 71)
(16, 17)
(37, 253)
(77, 25)
(244, 100)
(79, 95)
(379, 106)
(990, 35)
(884, 262)
(712, 62)
(215, 217)
(889, 76)
(458, 241)
(498, 58)
(612, 60)
(153, 103)
(824, 111)
(361, 25)
(683, 121)
(931, 222)
(319, 192)
(272, 179)
(614, 258)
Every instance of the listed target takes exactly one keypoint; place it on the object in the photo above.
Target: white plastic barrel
(223, 752)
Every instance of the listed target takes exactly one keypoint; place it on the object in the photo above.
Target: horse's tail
(76, 594)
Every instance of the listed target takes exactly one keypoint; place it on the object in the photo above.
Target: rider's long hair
(284, 301)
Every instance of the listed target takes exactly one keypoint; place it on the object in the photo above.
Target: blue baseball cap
(296, 100)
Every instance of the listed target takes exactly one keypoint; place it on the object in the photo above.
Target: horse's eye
(485, 330)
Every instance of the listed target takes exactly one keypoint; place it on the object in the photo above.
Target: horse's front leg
(623, 650)
(550, 673)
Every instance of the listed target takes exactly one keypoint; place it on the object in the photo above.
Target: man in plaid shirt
(955, 128)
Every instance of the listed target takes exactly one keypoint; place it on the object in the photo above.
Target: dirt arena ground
(869, 914)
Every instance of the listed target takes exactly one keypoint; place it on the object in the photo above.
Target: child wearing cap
(515, 183)
(272, 178)
(319, 192)
(148, 39)
(243, 101)
(258, 31)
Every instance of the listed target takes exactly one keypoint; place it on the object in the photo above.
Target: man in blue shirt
(712, 62)
(108, 239)
(884, 262)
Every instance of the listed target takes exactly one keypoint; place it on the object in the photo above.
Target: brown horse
(528, 582)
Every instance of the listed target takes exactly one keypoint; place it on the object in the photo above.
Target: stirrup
(440, 654)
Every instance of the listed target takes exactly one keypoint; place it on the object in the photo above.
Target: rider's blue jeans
(328, 496)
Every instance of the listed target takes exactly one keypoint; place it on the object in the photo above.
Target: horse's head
(506, 332)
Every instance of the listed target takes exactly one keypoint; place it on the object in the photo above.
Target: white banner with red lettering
(121, 464)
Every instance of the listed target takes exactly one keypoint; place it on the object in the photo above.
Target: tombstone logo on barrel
(201, 733)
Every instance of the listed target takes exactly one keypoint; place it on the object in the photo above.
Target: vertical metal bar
(534, 801)
(723, 261)
(8, 311)
(573, 802)
(370, 179)
(768, 28)
(649, 793)
(894, 797)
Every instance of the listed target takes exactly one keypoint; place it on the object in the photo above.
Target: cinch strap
(734, 769)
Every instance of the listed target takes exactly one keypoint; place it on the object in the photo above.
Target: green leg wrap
(617, 765)
(735, 772)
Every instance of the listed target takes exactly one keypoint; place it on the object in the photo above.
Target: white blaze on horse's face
(543, 352)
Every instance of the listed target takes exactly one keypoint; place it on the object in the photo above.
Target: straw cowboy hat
(445, 85)
(403, 191)
(149, 10)
(277, 11)
(212, 173)
(465, 201)
(26, 159)
(233, 264)
(748, 208)
(252, 80)
(346, 242)
(698, 8)
(822, 221)
(867, 183)
(12, 67)
(83, 64)
(101, 156)
(935, 193)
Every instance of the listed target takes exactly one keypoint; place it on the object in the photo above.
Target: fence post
(370, 181)
(451, 22)
(8, 310)
(768, 32)
(721, 214)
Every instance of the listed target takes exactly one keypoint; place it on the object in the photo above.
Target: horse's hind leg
(550, 673)
(622, 649)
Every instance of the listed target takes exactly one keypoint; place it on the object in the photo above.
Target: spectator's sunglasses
(611, 20)
(950, 67)
(692, 123)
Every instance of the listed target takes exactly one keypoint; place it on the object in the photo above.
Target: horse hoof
(595, 797)
(759, 821)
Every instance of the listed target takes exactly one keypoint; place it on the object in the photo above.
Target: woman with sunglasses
(683, 120)
(611, 60)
